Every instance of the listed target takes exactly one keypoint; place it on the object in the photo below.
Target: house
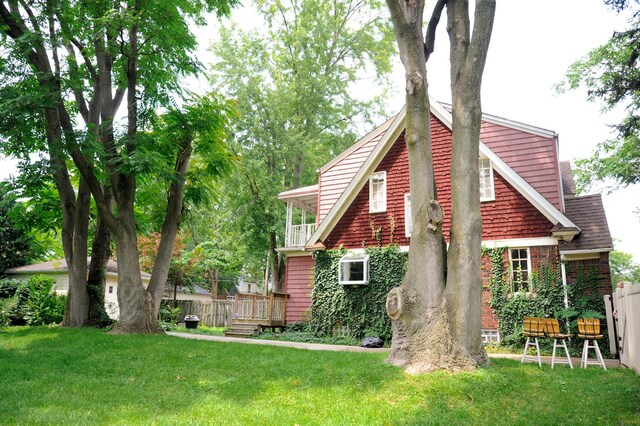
(528, 206)
(57, 269)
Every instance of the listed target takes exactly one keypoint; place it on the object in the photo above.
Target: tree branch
(430, 36)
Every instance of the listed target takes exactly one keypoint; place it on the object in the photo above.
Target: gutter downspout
(564, 281)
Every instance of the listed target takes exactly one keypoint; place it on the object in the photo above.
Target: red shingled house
(528, 205)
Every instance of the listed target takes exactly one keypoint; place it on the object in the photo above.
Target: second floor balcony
(302, 205)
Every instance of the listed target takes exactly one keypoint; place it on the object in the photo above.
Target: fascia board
(396, 127)
(357, 145)
(527, 191)
(351, 191)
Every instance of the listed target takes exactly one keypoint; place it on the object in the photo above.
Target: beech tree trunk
(436, 312)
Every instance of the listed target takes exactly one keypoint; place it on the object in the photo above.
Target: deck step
(240, 328)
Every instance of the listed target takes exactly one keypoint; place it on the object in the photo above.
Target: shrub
(43, 306)
(30, 302)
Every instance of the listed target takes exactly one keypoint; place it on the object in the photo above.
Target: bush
(43, 306)
(30, 302)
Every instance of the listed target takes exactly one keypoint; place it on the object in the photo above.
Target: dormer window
(378, 192)
(486, 180)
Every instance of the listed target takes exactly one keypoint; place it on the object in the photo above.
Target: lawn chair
(589, 331)
(533, 328)
(552, 328)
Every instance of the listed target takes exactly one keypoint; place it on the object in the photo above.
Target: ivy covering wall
(546, 299)
(359, 308)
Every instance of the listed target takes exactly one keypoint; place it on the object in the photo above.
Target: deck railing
(298, 235)
(267, 310)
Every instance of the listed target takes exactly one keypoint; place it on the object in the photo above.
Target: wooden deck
(254, 312)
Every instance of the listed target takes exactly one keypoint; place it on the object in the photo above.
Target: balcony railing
(298, 235)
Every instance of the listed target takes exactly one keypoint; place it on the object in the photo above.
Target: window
(378, 192)
(486, 180)
(408, 220)
(354, 270)
(110, 289)
(519, 261)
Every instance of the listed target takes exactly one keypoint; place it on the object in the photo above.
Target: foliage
(139, 379)
(546, 299)
(360, 308)
(623, 268)
(169, 314)
(611, 74)
(15, 249)
(191, 267)
(30, 302)
(293, 81)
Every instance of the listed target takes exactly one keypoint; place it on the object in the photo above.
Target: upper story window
(486, 180)
(520, 268)
(378, 192)
(408, 220)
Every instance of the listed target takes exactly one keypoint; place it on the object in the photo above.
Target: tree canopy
(293, 81)
(76, 63)
(611, 75)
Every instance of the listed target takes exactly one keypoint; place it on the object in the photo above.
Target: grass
(66, 376)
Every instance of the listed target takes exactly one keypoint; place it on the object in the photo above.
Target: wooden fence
(216, 313)
(624, 323)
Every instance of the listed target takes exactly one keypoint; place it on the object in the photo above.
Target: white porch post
(289, 222)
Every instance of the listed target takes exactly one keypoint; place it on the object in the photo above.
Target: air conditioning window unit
(354, 270)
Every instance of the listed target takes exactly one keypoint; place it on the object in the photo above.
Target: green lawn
(60, 376)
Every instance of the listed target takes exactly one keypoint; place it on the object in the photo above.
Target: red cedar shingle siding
(533, 157)
(298, 279)
(509, 216)
(333, 181)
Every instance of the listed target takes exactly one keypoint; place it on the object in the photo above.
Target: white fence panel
(627, 316)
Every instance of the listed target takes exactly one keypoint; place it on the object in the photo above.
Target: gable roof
(394, 130)
(59, 266)
(588, 213)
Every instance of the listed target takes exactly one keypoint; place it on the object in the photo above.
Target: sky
(532, 45)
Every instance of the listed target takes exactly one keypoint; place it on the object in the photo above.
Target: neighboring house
(57, 269)
(528, 205)
(199, 294)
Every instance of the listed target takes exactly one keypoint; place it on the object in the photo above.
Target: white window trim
(493, 189)
(408, 219)
(353, 258)
(529, 290)
(383, 207)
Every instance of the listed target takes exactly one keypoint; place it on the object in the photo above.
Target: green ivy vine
(546, 299)
(360, 308)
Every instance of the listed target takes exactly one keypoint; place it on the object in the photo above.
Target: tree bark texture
(435, 312)
(170, 225)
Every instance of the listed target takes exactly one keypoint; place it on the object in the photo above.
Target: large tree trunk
(169, 231)
(100, 254)
(77, 305)
(437, 326)
(135, 302)
(277, 265)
